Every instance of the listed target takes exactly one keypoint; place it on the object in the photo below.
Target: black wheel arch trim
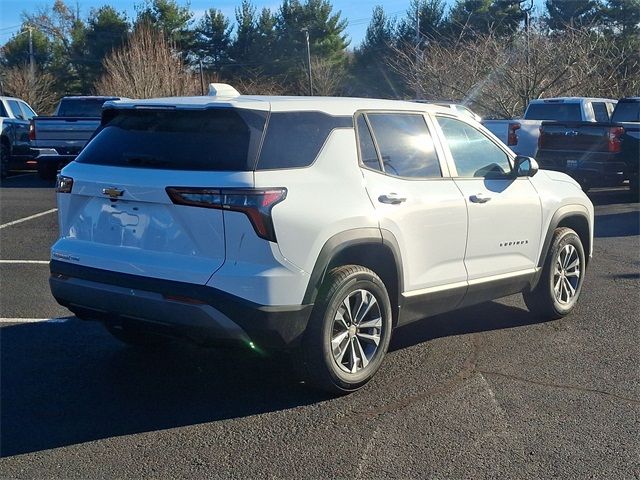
(347, 239)
(561, 214)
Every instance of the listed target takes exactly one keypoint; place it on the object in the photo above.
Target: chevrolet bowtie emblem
(112, 192)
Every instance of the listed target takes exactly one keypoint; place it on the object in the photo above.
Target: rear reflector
(256, 204)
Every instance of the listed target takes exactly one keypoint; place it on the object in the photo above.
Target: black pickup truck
(595, 154)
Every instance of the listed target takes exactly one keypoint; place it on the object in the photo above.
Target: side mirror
(525, 166)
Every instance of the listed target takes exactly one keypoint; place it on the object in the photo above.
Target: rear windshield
(81, 107)
(567, 112)
(219, 139)
(626, 112)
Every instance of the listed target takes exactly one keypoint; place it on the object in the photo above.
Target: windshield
(554, 111)
(626, 112)
(81, 107)
(213, 139)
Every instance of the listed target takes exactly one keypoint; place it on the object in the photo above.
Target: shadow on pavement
(69, 383)
(623, 224)
(26, 180)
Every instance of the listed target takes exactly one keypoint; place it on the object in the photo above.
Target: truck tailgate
(64, 129)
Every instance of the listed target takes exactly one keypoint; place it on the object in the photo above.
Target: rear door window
(600, 112)
(218, 139)
(294, 139)
(405, 144)
(474, 154)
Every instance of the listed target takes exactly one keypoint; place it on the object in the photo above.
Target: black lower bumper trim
(268, 326)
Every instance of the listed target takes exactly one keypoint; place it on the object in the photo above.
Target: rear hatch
(119, 215)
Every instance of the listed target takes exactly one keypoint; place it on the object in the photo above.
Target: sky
(358, 12)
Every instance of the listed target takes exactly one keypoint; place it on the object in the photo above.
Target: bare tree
(257, 83)
(500, 77)
(146, 66)
(328, 77)
(37, 90)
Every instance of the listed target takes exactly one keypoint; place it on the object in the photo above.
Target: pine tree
(213, 39)
(563, 14)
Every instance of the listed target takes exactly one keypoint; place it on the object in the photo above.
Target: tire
(331, 366)
(135, 337)
(634, 188)
(560, 268)
(4, 160)
(47, 171)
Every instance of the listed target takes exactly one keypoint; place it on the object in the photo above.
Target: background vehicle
(595, 154)
(311, 224)
(521, 135)
(15, 150)
(58, 139)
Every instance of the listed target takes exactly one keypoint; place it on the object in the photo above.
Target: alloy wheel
(356, 332)
(566, 275)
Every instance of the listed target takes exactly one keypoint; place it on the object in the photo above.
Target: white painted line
(31, 217)
(34, 320)
(36, 262)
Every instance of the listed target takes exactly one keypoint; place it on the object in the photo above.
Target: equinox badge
(112, 192)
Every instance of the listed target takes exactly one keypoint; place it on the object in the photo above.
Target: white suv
(313, 224)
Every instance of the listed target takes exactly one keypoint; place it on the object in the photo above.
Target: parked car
(596, 154)
(14, 135)
(58, 139)
(456, 107)
(521, 135)
(311, 224)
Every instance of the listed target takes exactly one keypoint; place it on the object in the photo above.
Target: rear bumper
(200, 313)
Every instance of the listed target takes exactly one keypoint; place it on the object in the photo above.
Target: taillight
(512, 137)
(255, 203)
(615, 139)
(32, 131)
(540, 137)
(64, 184)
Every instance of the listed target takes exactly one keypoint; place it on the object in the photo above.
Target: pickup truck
(595, 154)
(58, 139)
(15, 153)
(521, 135)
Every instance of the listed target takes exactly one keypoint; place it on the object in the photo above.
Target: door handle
(391, 198)
(479, 198)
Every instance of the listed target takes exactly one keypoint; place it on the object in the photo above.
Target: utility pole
(306, 35)
(32, 65)
(417, 65)
(201, 78)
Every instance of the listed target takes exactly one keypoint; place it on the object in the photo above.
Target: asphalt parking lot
(486, 392)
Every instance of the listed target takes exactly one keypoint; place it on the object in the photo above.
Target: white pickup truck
(521, 135)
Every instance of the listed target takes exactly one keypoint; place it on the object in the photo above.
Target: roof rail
(222, 90)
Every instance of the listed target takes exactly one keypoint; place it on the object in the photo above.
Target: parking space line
(30, 262)
(30, 217)
(35, 320)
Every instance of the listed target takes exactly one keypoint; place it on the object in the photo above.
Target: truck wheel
(4, 160)
(135, 337)
(562, 276)
(47, 171)
(348, 332)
